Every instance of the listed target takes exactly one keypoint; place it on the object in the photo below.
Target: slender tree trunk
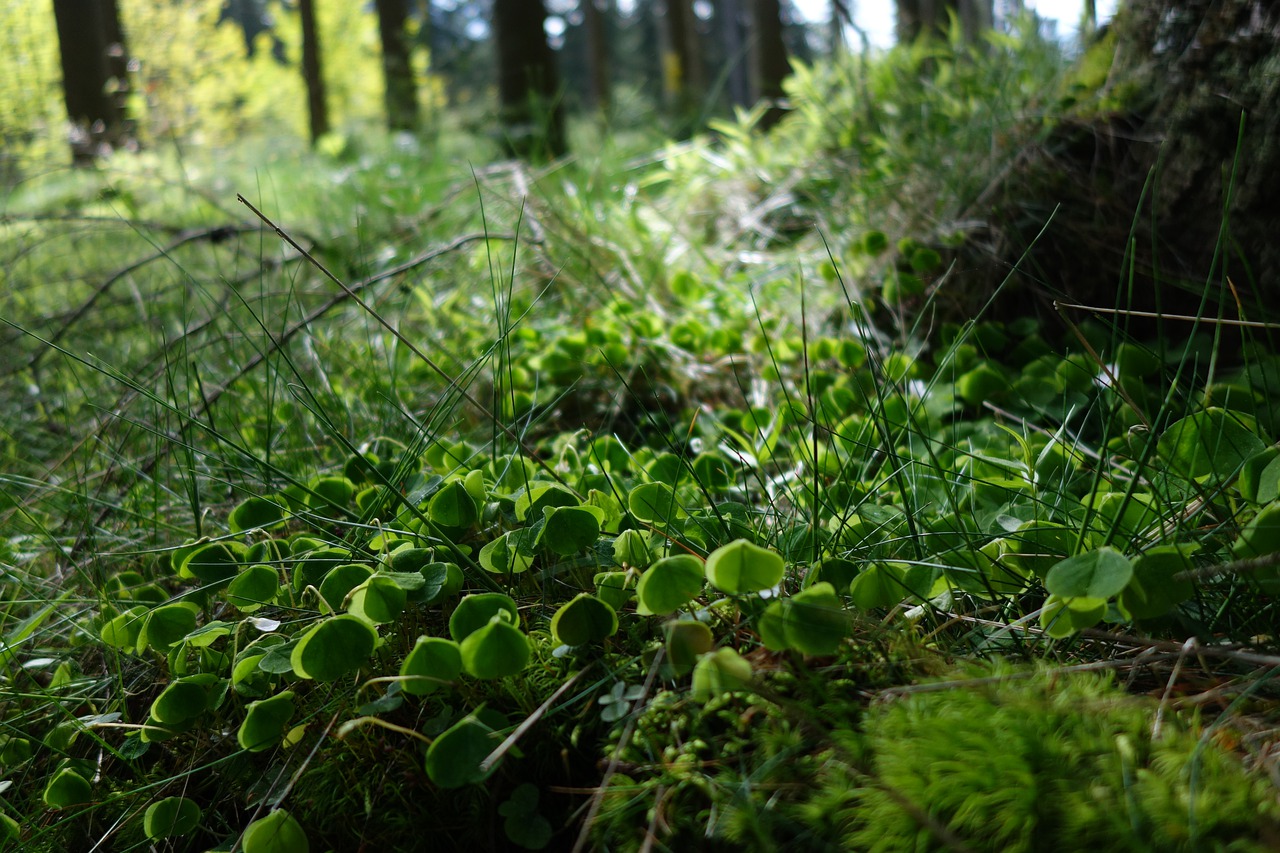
(317, 107)
(1089, 20)
(94, 75)
(596, 21)
(737, 52)
(771, 65)
(401, 90)
(841, 15)
(684, 82)
(528, 85)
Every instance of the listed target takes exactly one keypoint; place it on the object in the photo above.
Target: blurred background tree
(214, 71)
(95, 79)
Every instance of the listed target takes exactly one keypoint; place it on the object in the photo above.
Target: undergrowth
(638, 501)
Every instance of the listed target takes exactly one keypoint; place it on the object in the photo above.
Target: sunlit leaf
(334, 648)
(431, 664)
(742, 567)
(669, 584)
(583, 619)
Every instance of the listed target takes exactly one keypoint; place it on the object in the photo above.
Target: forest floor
(674, 496)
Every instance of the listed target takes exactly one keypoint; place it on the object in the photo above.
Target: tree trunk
(918, 18)
(528, 85)
(732, 27)
(841, 16)
(317, 108)
(401, 90)
(771, 65)
(683, 79)
(1188, 168)
(94, 75)
(597, 27)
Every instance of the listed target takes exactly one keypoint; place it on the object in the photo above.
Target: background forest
(638, 425)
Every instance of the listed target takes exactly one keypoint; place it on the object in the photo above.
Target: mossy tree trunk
(1159, 192)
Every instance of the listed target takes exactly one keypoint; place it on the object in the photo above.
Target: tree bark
(528, 84)
(1174, 191)
(732, 30)
(317, 105)
(683, 78)
(401, 90)
(918, 18)
(771, 65)
(94, 76)
(596, 20)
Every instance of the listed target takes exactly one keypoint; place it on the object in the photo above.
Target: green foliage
(278, 832)
(993, 765)
(172, 816)
(647, 507)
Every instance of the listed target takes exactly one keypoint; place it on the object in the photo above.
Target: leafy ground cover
(642, 501)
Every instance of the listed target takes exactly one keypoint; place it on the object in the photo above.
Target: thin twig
(530, 720)
(598, 800)
(1156, 726)
(1155, 315)
(214, 235)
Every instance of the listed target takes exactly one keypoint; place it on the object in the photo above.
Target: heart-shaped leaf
(170, 817)
(614, 588)
(476, 610)
(654, 503)
(278, 832)
(453, 506)
(1154, 591)
(504, 554)
(334, 648)
(265, 722)
(570, 529)
(718, 672)
(669, 584)
(1261, 536)
(1094, 574)
(741, 567)
(378, 600)
(496, 650)
(812, 621)
(440, 581)
(254, 587)
(1062, 618)
(315, 564)
(631, 548)
(256, 513)
(584, 619)
(454, 757)
(214, 564)
(167, 625)
(123, 631)
(330, 493)
(687, 640)
(1212, 442)
(431, 664)
(339, 582)
(537, 496)
(67, 788)
(184, 699)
